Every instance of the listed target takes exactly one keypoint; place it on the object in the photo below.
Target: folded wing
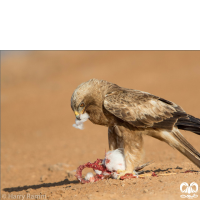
(142, 109)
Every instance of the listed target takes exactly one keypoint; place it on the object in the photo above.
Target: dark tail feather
(189, 124)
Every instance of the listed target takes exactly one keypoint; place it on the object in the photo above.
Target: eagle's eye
(82, 105)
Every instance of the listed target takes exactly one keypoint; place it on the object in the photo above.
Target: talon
(142, 166)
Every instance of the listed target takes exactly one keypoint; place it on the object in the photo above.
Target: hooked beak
(77, 115)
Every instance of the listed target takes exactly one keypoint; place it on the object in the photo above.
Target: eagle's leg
(133, 158)
(133, 149)
(131, 142)
(114, 139)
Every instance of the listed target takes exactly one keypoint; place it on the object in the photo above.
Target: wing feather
(142, 109)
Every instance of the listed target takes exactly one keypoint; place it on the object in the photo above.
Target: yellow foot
(124, 172)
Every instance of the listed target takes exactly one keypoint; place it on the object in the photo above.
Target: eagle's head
(87, 102)
(78, 100)
(85, 96)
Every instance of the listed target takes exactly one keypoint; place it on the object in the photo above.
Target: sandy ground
(39, 147)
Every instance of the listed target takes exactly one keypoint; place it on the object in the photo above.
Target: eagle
(131, 114)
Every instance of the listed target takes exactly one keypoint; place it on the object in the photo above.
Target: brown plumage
(129, 114)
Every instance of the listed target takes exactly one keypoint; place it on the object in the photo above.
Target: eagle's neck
(100, 89)
(96, 110)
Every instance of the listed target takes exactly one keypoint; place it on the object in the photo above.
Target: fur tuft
(114, 160)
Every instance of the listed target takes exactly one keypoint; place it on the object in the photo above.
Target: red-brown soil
(40, 148)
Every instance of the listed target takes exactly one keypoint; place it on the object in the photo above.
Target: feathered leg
(133, 149)
(115, 141)
(132, 143)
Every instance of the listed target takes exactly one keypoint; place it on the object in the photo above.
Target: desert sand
(40, 150)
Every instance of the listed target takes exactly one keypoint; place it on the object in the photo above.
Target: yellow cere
(76, 113)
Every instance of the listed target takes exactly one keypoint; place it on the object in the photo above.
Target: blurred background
(36, 118)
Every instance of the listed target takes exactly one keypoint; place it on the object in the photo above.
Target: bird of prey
(130, 114)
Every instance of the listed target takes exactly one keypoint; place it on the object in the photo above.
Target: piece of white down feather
(89, 177)
(79, 123)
